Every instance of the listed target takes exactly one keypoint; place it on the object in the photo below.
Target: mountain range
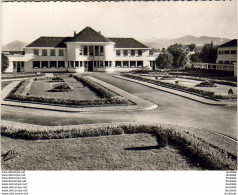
(153, 43)
(199, 41)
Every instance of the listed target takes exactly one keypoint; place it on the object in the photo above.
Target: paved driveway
(172, 109)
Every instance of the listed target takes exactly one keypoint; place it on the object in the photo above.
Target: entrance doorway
(90, 66)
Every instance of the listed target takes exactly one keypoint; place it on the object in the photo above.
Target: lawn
(5, 83)
(41, 88)
(117, 152)
(218, 90)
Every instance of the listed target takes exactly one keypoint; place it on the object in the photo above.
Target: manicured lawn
(117, 152)
(219, 89)
(41, 88)
(5, 83)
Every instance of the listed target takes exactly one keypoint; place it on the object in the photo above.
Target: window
(125, 52)
(106, 63)
(96, 50)
(61, 64)
(36, 52)
(125, 64)
(139, 63)
(44, 52)
(52, 64)
(85, 50)
(150, 52)
(227, 52)
(22, 65)
(44, 64)
(52, 52)
(91, 50)
(95, 64)
(139, 52)
(101, 64)
(132, 63)
(233, 51)
(61, 52)
(76, 64)
(118, 52)
(101, 50)
(226, 62)
(110, 63)
(118, 63)
(220, 62)
(15, 65)
(132, 52)
(220, 52)
(71, 64)
(81, 63)
(36, 64)
(80, 51)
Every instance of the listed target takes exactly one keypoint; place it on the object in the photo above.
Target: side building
(226, 58)
(87, 50)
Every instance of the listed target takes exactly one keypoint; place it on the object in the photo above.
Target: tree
(209, 53)
(178, 51)
(164, 60)
(5, 62)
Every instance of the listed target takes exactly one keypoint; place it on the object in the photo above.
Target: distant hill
(199, 41)
(14, 46)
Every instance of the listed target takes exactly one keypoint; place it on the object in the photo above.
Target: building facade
(226, 58)
(87, 50)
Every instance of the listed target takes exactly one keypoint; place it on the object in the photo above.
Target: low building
(87, 50)
(226, 58)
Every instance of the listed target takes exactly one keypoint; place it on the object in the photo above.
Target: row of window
(91, 51)
(227, 52)
(129, 63)
(132, 52)
(48, 64)
(44, 52)
(226, 62)
(98, 64)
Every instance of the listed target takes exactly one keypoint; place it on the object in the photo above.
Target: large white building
(87, 50)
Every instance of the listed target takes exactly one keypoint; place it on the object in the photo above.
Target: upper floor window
(233, 51)
(101, 50)
(44, 52)
(80, 51)
(96, 50)
(227, 52)
(61, 52)
(52, 52)
(85, 50)
(220, 52)
(140, 52)
(118, 52)
(132, 52)
(125, 52)
(91, 50)
(36, 52)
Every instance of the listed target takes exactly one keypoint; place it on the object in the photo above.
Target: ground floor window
(125, 63)
(71, 64)
(36, 64)
(76, 64)
(118, 63)
(132, 63)
(52, 64)
(106, 63)
(61, 64)
(139, 63)
(44, 64)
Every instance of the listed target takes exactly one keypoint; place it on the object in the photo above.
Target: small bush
(61, 87)
(206, 83)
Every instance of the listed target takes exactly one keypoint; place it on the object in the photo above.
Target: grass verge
(195, 148)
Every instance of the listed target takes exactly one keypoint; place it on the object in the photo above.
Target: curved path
(172, 110)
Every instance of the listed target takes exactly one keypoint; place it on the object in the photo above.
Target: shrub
(61, 87)
(206, 83)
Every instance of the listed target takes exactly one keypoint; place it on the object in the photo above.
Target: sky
(141, 20)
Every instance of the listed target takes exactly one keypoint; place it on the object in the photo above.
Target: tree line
(180, 55)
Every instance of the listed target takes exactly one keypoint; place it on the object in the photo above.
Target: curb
(141, 104)
(175, 92)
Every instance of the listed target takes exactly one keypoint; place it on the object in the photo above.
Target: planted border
(198, 92)
(198, 150)
(108, 99)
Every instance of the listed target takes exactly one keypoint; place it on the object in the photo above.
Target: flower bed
(198, 92)
(207, 83)
(109, 99)
(195, 148)
(20, 75)
(61, 87)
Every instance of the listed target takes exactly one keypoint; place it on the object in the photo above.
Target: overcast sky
(141, 20)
